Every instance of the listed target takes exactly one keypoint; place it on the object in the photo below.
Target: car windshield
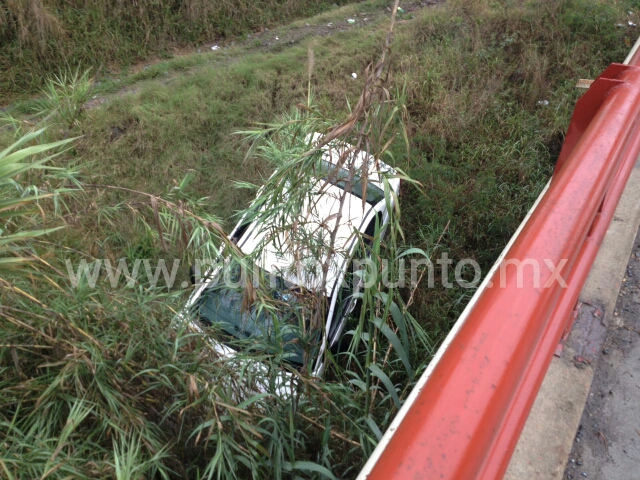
(340, 177)
(223, 305)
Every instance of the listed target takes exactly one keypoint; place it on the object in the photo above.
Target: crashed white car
(220, 298)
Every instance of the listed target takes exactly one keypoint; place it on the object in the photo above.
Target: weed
(19, 205)
(481, 145)
(40, 35)
(64, 98)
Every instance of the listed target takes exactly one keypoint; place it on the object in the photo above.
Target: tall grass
(38, 36)
(99, 383)
(65, 95)
(481, 145)
(21, 212)
(103, 382)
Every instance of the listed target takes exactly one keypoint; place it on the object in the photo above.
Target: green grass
(192, 119)
(481, 147)
(484, 147)
(39, 36)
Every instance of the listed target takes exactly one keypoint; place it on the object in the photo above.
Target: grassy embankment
(482, 148)
(40, 36)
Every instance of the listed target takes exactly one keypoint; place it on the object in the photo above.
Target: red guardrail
(465, 419)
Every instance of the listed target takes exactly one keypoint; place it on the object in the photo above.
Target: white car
(219, 298)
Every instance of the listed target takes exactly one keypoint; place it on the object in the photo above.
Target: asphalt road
(607, 444)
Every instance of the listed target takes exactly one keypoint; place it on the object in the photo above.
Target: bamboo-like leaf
(412, 251)
(21, 141)
(17, 157)
(9, 263)
(19, 236)
(253, 399)
(397, 345)
(386, 381)
(308, 467)
(374, 427)
(11, 165)
(397, 315)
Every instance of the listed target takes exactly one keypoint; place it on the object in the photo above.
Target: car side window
(237, 235)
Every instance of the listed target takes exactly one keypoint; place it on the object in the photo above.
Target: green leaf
(16, 157)
(24, 139)
(374, 427)
(412, 251)
(253, 399)
(12, 203)
(398, 317)
(395, 341)
(11, 165)
(26, 235)
(386, 381)
(358, 383)
(308, 467)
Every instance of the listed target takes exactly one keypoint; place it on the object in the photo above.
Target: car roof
(318, 219)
